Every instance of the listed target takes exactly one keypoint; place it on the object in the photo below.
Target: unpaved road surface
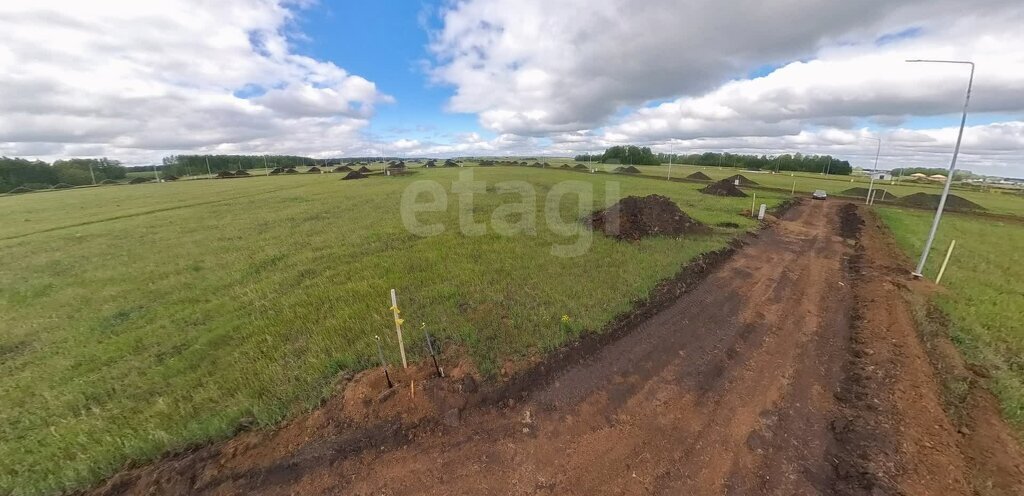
(727, 391)
(760, 380)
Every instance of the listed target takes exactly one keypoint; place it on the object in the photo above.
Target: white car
(819, 194)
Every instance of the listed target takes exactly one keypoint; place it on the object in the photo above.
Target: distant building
(939, 178)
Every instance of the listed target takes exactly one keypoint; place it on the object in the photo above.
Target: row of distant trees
(187, 165)
(35, 174)
(797, 162)
(633, 155)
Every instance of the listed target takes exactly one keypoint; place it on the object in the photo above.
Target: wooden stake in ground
(383, 363)
(433, 353)
(753, 202)
(949, 253)
(398, 327)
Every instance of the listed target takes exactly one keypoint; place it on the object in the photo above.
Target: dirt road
(758, 381)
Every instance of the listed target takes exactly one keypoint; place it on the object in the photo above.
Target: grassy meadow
(985, 292)
(141, 319)
(999, 202)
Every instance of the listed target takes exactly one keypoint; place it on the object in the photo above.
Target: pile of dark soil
(450, 163)
(863, 193)
(241, 173)
(430, 163)
(725, 187)
(397, 166)
(20, 189)
(170, 177)
(699, 176)
(223, 174)
(354, 175)
(109, 181)
(140, 180)
(343, 168)
(927, 200)
(363, 169)
(565, 166)
(743, 180)
(277, 170)
(291, 170)
(580, 167)
(62, 186)
(633, 218)
(314, 169)
(627, 170)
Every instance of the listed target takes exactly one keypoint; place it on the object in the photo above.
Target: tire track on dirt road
(729, 390)
(793, 368)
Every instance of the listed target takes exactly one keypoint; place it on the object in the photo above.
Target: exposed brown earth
(928, 200)
(699, 176)
(794, 368)
(634, 217)
(724, 187)
(744, 181)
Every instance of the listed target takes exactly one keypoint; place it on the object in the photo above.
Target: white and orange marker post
(398, 327)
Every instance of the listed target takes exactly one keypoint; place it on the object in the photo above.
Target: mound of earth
(629, 170)
(927, 200)
(565, 166)
(223, 174)
(62, 186)
(109, 181)
(277, 170)
(20, 189)
(725, 187)
(580, 167)
(633, 218)
(343, 168)
(699, 176)
(140, 180)
(743, 180)
(291, 170)
(354, 175)
(241, 173)
(314, 169)
(170, 177)
(450, 163)
(363, 169)
(863, 193)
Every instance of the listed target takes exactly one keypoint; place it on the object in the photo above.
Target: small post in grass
(433, 352)
(793, 191)
(949, 253)
(398, 327)
(383, 363)
(753, 202)
(760, 213)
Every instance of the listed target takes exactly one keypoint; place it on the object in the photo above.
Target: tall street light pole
(952, 165)
(871, 185)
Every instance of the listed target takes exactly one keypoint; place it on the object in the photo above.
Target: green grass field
(985, 297)
(999, 202)
(141, 319)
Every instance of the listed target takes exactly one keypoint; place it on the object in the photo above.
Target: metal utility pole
(93, 174)
(827, 167)
(952, 165)
(871, 185)
(267, 169)
(669, 167)
(208, 171)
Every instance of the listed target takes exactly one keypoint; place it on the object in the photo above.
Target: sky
(138, 81)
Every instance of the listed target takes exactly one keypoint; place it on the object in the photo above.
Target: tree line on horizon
(635, 155)
(37, 174)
